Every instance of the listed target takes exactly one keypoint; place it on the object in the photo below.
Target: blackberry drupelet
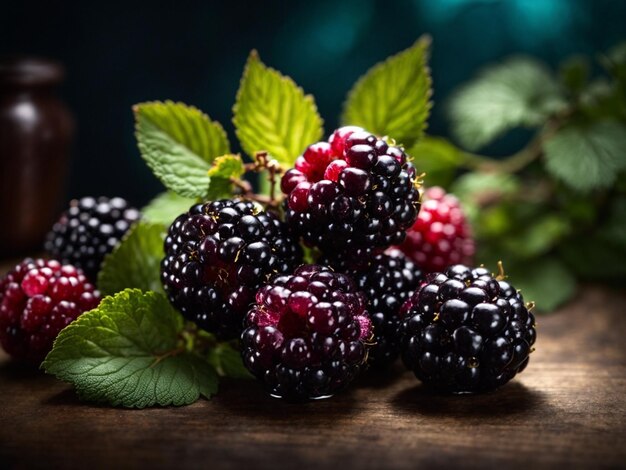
(308, 334)
(354, 192)
(216, 257)
(88, 230)
(466, 331)
(387, 280)
(441, 235)
(38, 298)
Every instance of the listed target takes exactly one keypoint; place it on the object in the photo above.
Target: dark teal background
(120, 53)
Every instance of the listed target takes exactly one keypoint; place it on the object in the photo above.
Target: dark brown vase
(36, 130)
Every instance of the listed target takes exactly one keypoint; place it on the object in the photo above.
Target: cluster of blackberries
(308, 330)
(387, 279)
(38, 298)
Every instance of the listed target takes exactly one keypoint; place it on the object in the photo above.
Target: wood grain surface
(567, 409)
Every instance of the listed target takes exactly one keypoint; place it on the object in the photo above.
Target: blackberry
(216, 257)
(308, 333)
(387, 280)
(88, 230)
(354, 192)
(466, 331)
(441, 235)
(38, 298)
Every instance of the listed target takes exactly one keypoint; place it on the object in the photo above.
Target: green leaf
(135, 262)
(272, 113)
(601, 254)
(587, 157)
(438, 158)
(164, 208)
(545, 281)
(476, 186)
(127, 352)
(227, 166)
(518, 92)
(393, 97)
(224, 168)
(614, 61)
(178, 142)
(477, 189)
(538, 237)
(574, 73)
(226, 359)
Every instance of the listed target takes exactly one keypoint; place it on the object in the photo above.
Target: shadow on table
(380, 378)
(249, 400)
(18, 370)
(513, 398)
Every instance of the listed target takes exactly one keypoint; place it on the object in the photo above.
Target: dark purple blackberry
(308, 333)
(466, 331)
(216, 257)
(38, 298)
(387, 280)
(355, 192)
(88, 230)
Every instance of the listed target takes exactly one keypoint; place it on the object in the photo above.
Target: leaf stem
(521, 159)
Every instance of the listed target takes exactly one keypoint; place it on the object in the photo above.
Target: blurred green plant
(555, 211)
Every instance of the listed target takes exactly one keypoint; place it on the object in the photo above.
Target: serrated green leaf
(518, 92)
(438, 158)
(164, 208)
(272, 113)
(589, 156)
(135, 262)
(393, 97)
(127, 352)
(227, 361)
(178, 142)
(223, 169)
(227, 166)
(545, 281)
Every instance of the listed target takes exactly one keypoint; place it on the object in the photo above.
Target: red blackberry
(39, 298)
(216, 257)
(307, 335)
(387, 281)
(441, 236)
(354, 192)
(88, 230)
(466, 331)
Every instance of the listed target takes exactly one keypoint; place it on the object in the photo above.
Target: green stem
(519, 160)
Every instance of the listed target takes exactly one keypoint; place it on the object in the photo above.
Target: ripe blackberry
(308, 333)
(216, 257)
(39, 298)
(466, 331)
(387, 280)
(441, 236)
(88, 230)
(354, 192)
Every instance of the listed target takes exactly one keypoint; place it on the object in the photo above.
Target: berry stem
(262, 162)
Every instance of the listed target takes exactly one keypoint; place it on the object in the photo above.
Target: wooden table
(567, 408)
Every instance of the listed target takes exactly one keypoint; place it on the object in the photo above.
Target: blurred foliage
(555, 211)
